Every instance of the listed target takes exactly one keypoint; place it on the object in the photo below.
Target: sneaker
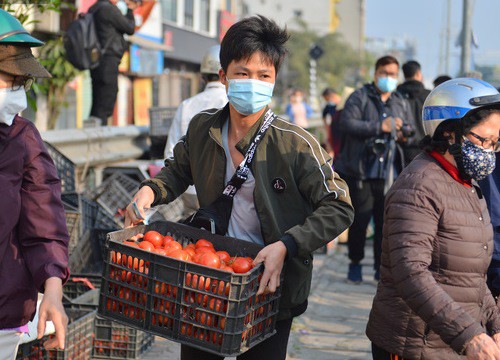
(354, 275)
(376, 277)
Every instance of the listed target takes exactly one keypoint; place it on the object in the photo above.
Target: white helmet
(211, 63)
(454, 99)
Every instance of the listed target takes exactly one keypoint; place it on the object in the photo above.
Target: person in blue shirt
(491, 191)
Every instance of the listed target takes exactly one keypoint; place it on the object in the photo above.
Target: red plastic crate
(206, 308)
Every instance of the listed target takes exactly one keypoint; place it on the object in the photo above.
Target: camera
(407, 131)
(378, 146)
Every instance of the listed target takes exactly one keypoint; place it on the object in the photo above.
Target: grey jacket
(437, 244)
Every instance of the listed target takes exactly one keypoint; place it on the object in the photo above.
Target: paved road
(333, 327)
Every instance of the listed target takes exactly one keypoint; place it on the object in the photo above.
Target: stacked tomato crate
(79, 338)
(211, 309)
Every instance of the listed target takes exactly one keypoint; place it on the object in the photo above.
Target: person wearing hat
(432, 301)
(33, 234)
(213, 97)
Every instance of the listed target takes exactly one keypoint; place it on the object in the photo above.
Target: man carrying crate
(287, 199)
(213, 97)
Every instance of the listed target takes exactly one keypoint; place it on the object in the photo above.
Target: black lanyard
(241, 174)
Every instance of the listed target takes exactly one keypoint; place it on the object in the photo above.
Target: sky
(425, 22)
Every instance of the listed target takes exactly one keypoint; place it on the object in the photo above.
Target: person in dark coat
(491, 191)
(33, 235)
(110, 25)
(414, 91)
(372, 125)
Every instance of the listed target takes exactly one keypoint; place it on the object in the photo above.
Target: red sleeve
(42, 226)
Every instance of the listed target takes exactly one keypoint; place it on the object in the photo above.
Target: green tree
(51, 55)
(340, 64)
(22, 8)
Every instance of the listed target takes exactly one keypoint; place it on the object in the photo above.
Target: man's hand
(51, 309)
(482, 347)
(387, 124)
(273, 257)
(143, 198)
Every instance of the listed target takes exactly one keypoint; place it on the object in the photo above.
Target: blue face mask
(248, 96)
(387, 84)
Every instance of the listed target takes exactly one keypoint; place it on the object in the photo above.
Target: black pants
(380, 354)
(104, 87)
(368, 200)
(273, 348)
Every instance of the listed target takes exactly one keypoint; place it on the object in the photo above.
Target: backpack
(81, 43)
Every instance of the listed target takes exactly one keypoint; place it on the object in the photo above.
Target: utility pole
(448, 39)
(466, 37)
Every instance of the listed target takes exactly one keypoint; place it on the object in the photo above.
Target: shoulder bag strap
(241, 174)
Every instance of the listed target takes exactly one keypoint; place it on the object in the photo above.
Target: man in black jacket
(413, 90)
(110, 25)
(374, 124)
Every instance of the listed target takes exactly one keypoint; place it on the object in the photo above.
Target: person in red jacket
(33, 234)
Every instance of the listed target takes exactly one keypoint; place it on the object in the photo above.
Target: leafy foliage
(339, 66)
(22, 8)
(51, 55)
(53, 58)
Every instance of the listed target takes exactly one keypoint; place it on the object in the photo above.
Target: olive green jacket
(310, 208)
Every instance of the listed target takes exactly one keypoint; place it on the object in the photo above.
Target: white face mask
(12, 102)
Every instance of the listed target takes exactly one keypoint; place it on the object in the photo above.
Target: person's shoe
(354, 275)
(376, 277)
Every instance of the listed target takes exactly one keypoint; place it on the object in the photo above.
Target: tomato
(160, 251)
(130, 243)
(190, 251)
(167, 239)
(203, 242)
(146, 245)
(224, 256)
(210, 259)
(205, 249)
(215, 304)
(179, 255)
(172, 246)
(226, 268)
(154, 237)
(241, 265)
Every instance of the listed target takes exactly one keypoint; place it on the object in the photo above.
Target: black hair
(440, 142)
(386, 60)
(253, 34)
(410, 69)
(441, 79)
(328, 91)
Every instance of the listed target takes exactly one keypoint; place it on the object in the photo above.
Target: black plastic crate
(160, 120)
(206, 308)
(79, 284)
(73, 225)
(87, 207)
(115, 341)
(79, 336)
(87, 255)
(104, 220)
(32, 350)
(65, 168)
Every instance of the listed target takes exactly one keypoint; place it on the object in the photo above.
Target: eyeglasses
(487, 143)
(22, 81)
